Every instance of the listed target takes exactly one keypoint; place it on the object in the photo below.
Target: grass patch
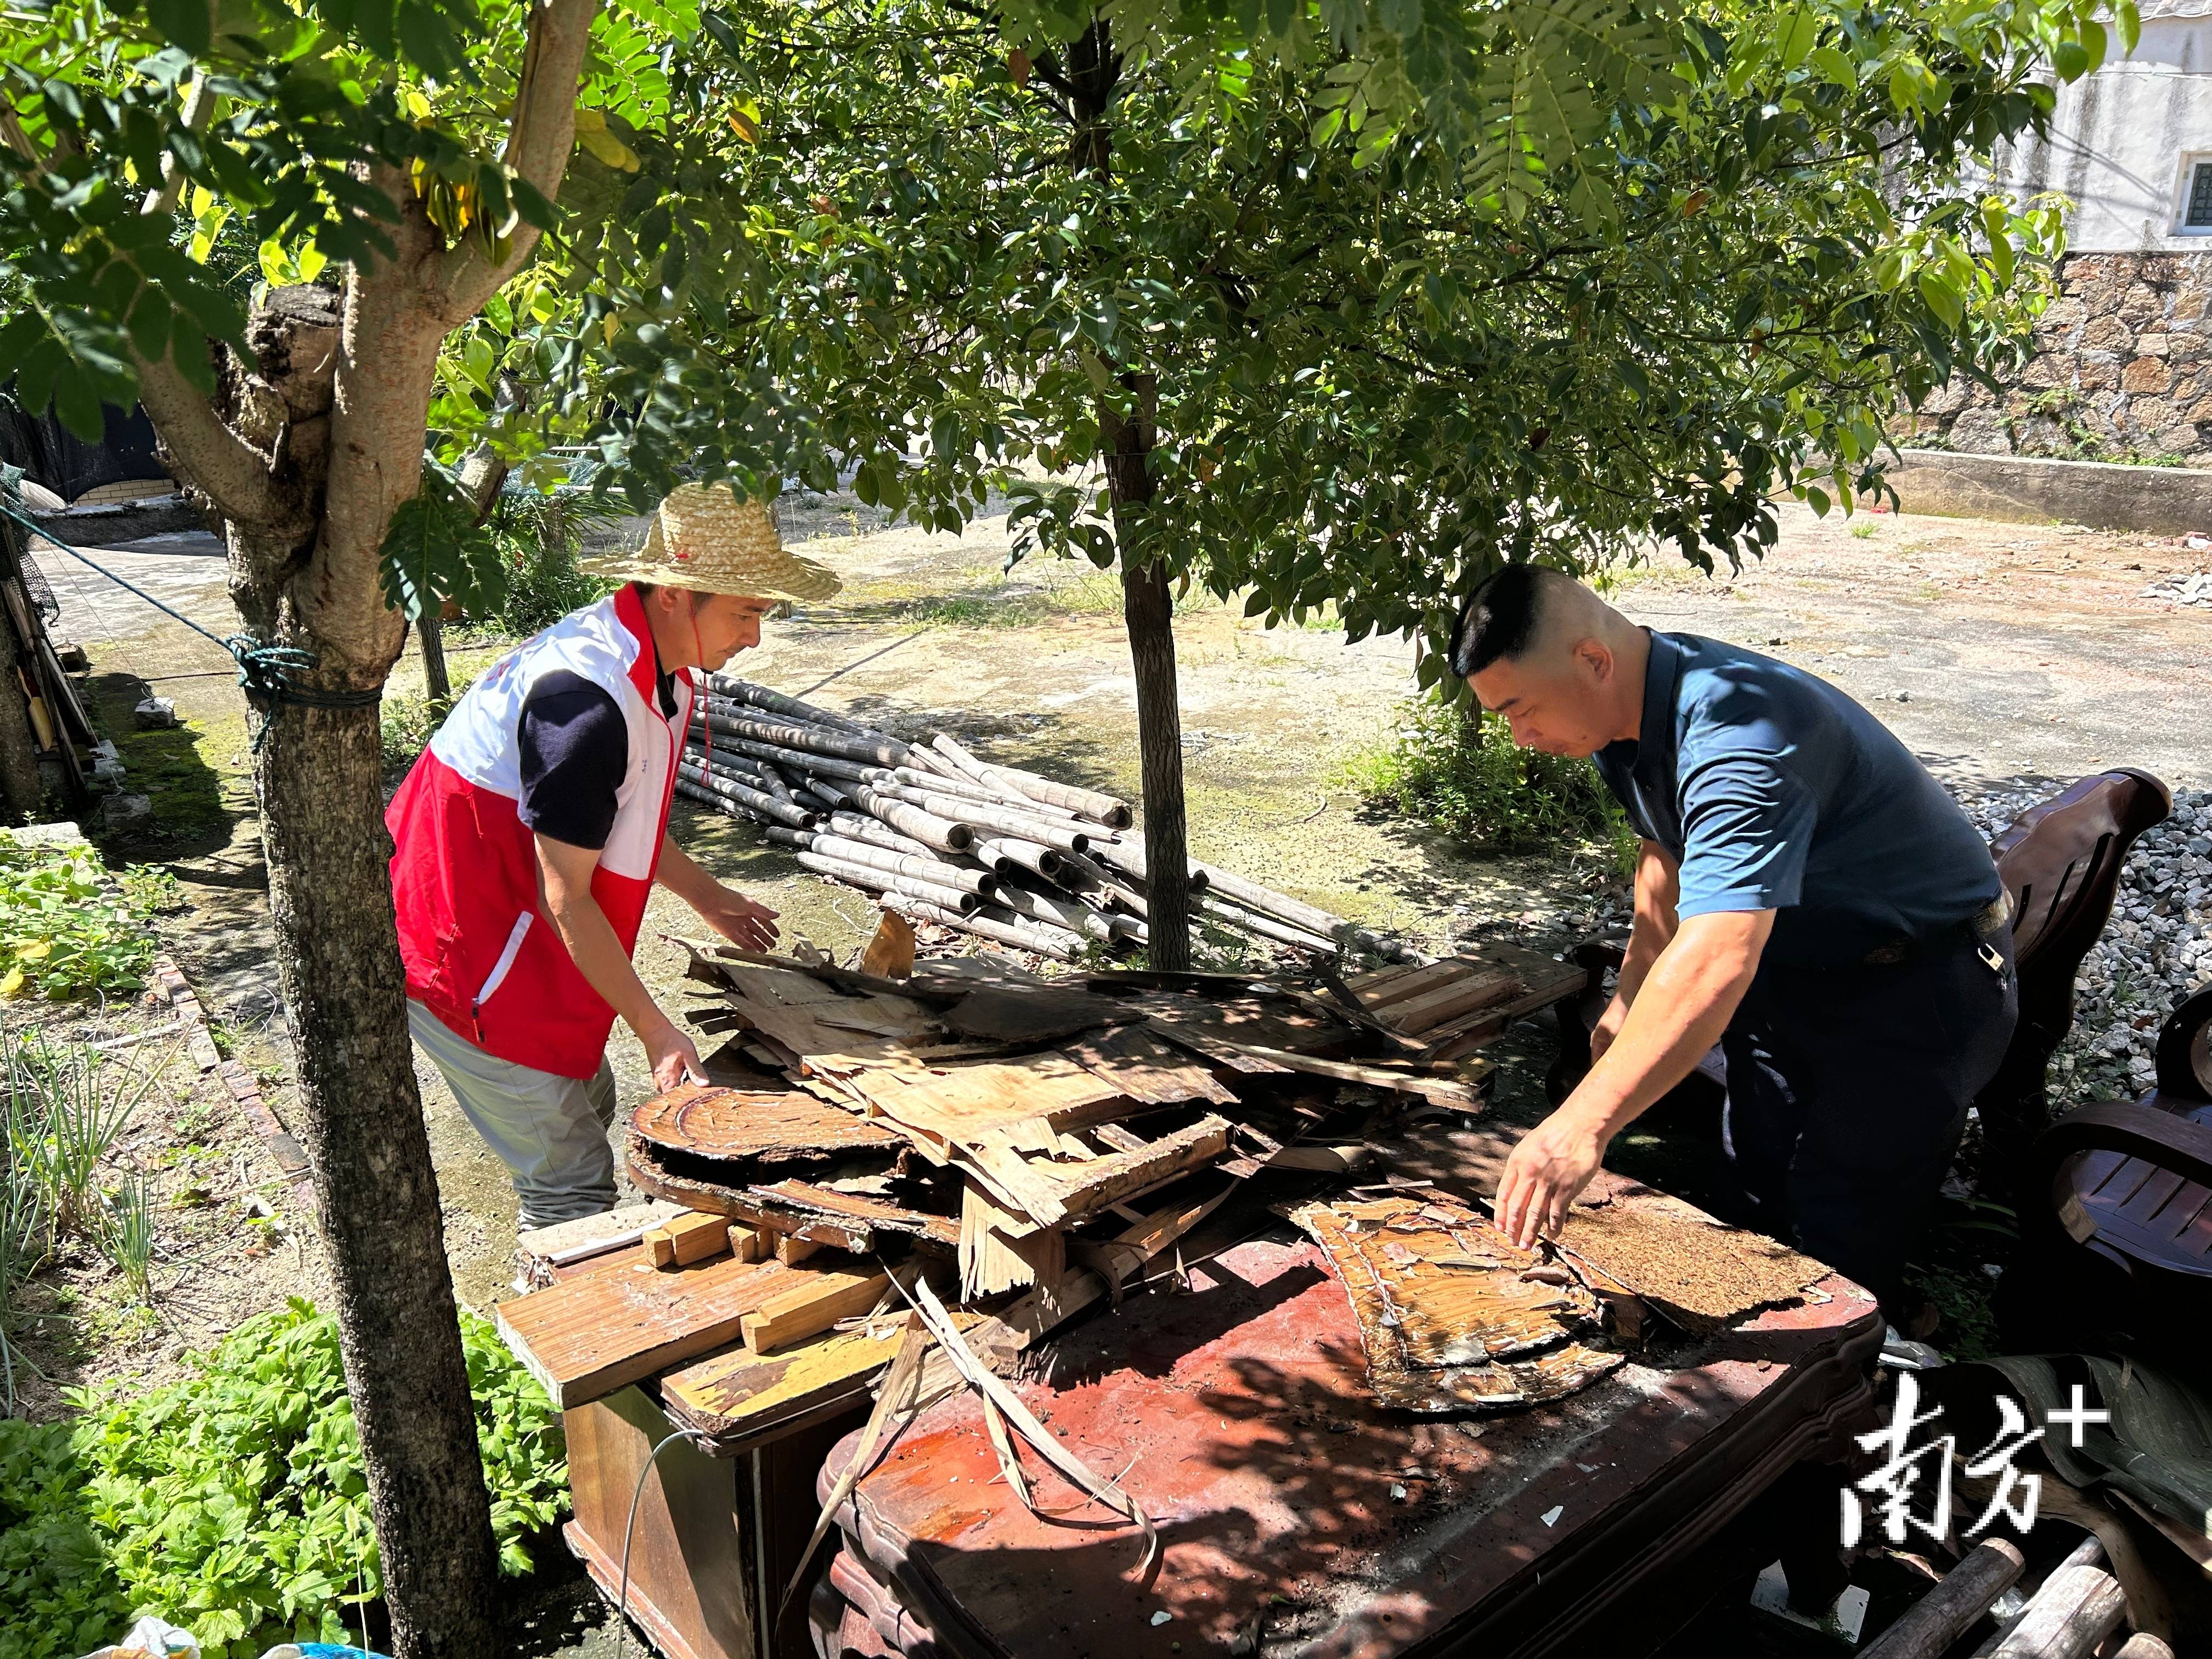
(1462, 777)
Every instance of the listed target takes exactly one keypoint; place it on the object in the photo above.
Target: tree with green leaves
(1225, 267)
(1329, 315)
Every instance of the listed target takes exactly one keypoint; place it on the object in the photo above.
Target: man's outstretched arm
(735, 917)
(1684, 1005)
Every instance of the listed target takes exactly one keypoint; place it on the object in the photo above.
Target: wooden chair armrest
(2182, 1056)
(2166, 1138)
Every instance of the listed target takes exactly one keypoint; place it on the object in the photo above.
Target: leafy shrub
(234, 1502)
(1463, 777)
(540, 538)
(63, 933)
(409, 724)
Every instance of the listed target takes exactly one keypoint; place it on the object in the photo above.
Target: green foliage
(62, 932)
(151, 889)
(409, 724)
(435, 550)
(1465, 778)
(234, 1501)
(539, 539)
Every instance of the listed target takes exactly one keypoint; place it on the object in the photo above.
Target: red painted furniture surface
(1297, 1516)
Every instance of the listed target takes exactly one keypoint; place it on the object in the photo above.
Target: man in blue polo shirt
(1807, 897)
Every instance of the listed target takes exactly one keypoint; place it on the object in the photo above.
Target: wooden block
(810, 1304)
(749, 1243)
(587, 1336)
(789, 1248)
(567, 1243)
(689, 1238)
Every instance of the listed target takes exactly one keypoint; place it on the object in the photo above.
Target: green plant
(1864, 529)
(1463, 777)
(151, 889)
(234, 1500)
(66, 1106)
(409, 724)
(64, 931)
(540, 538)
(129, 1235)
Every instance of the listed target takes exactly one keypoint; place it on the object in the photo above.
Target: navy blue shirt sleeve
(575, 749)
(1746, 836)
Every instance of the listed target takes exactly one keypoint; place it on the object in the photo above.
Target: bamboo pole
(857, 826)
(815, 765)
(775, 702)
(981, 815)
(813, 740)
(1045, 791)
(1928, 1627)
(884, 881)
(762, 803)
(946, 835)
(704, 797)
(930, 869)
(1012, 853)
(1002, 927)
(1265, 926)
(1074, 916)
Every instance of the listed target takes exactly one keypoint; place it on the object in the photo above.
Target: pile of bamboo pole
(942, 835)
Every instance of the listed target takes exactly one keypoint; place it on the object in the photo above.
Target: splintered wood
(1452, 1315)
(1458, 1003)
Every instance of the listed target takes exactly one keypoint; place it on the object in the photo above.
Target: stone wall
(2122, 370)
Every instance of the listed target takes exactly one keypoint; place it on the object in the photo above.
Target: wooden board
(803, 1209)
(1452, 1313)
(743, 1124)
(942, 1107)
(587, 1336)
(1144, 1066)
(814, 1297)
(692, 1236)
(1051, 1189)
(545, 1254)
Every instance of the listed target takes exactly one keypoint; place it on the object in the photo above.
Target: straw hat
(703, 539)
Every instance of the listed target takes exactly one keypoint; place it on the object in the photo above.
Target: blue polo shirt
(1774, 791)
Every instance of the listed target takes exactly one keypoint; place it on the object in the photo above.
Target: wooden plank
(790, 1250)
(1146, 1068)
(689, 1238)
(1445, 1091)
(1052, 1193)
(1405, 983)
(544, 1252)
(587, 1336)
(1449, 1042)
(1001, 1249)
(815, 1299)
(749, 1243)
(1453, 1001)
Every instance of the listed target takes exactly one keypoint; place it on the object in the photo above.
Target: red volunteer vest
(480, 953)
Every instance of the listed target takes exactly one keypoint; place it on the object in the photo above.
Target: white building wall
(2123, 140)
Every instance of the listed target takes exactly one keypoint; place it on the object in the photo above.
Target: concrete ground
(1996, 651)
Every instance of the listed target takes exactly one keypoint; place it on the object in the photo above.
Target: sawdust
(1697, 1273)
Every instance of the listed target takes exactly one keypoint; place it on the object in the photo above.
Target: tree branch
(231, 471)
(199, 110)
(539, 145)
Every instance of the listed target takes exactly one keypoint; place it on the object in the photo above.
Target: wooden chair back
(2060, 862)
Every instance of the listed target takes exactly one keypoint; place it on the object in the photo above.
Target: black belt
(1985, 924)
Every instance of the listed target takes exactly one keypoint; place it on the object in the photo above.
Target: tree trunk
(1124, 443)
(320, 772)
(436, 685)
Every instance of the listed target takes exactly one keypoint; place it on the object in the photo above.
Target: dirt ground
(1996, 651)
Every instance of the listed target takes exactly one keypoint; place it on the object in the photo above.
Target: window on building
(2199, 216)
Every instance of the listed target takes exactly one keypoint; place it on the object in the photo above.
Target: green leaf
(186, 22)
(1942, 298)
(149, 325)
(1795, 34)
(2070, 58)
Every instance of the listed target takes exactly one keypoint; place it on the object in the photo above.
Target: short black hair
(1499, 619)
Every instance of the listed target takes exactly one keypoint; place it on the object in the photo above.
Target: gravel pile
(2156, 949)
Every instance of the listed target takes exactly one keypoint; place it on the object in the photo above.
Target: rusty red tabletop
(1297, 1516)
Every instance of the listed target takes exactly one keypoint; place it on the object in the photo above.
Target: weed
(152, 889)
(409, 724)
(129, 1235)
(1864, 529)
(1462, 776)
(63, 932)
(66, 1107)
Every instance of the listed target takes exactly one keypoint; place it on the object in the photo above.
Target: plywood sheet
(1451, 1313)
(944, 1106)
(1697, 1272)
(751, 1125)
(1146, 1068)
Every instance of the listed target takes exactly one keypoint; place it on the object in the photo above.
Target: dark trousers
(1847, 1092)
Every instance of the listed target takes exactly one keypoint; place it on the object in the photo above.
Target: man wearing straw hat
(531, 832)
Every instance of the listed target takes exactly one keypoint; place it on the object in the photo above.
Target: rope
(264, 669)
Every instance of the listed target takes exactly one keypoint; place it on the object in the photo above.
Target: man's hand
(1548, 1170)
(1608, 1027)
(738, 918)
(673, 1057)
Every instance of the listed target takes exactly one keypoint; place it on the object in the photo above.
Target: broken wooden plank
(1031, 1014)
(587, 1336)
(692, 1236)
(813, 1300)
(1052, 1193)
(1001, 1249)
(1146, 1068)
